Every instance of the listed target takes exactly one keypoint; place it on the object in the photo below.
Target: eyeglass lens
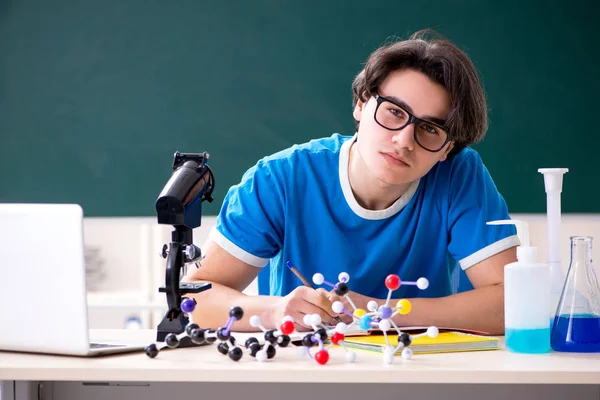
(393, 117)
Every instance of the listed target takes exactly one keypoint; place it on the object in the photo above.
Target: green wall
(96, 96)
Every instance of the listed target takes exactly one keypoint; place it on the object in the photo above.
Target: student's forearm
(213, 305)
(479, 309)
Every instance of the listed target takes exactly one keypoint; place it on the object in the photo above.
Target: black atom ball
(171, 340)
(249, 341)
(235, 354)
(341, 289)
(322, 333)
(151, 350)
(222, 334)
(254, 348)
(236, 312)
(270, 336)
(190, 327)
(197, 336)
(284, 340)
(270, 351)
(210, 336)
(223, 348)
(405, 339)
(307, 340)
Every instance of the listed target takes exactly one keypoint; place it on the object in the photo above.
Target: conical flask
(576, 326)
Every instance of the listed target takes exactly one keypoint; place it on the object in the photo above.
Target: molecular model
(378, 317)
(319, 337)
(322, 337)
(227, 343)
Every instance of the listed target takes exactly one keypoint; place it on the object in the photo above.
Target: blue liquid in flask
(576, 327)
(576, 333)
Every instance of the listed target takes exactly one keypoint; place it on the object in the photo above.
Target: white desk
(202, 371)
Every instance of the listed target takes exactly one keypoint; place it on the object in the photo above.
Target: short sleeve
(473, 201)
(250, 223)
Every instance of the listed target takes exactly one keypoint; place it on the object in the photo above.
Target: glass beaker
(576, 326)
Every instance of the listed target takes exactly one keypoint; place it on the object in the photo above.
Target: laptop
(43, 296)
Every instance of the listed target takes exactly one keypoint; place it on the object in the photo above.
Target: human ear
(358, 108)
(447, 151)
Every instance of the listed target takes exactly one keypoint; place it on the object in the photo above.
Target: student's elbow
(220, 267)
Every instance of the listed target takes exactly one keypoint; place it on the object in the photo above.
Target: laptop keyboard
(105, 345)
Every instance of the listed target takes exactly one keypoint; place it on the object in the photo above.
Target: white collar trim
(351, 200)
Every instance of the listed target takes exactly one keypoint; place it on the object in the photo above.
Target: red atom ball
(335, 339)
(287, 327)
(392, 282)
(322, 356)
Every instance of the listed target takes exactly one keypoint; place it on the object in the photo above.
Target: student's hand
(301, 301)
(333, 298)
(359, 300)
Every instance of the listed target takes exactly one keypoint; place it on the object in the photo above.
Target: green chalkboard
(96, 96)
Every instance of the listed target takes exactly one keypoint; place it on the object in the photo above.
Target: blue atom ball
(188, 305)
(385, 311)
(365, 322)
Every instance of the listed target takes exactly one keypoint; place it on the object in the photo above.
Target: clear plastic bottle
(576, 326)
(526, 298)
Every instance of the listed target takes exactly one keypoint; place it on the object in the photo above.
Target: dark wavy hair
(428, 52)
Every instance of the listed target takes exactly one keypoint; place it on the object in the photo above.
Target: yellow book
(444, 342)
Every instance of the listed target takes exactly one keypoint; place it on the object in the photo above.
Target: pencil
(299, 275)
(305, 281)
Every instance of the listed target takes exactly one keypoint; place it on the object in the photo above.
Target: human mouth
(395, 160)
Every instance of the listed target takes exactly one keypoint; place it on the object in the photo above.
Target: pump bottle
(553, 183)
(526, 298)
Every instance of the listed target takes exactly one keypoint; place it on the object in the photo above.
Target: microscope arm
(180, 205)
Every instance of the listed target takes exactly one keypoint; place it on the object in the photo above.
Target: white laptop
(43, 297)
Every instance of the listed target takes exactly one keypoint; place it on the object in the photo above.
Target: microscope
(180, 205)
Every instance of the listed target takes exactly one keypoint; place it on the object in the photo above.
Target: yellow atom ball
(359, 312)
(403, 306)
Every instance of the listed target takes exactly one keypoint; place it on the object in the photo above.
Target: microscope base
(176, 326)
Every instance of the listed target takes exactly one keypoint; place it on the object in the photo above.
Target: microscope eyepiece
(191, 183)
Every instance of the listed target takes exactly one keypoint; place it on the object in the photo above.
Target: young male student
(405, 195)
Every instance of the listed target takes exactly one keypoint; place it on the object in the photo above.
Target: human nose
(405, 137)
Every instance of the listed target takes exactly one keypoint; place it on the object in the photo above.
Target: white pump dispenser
(526, 297)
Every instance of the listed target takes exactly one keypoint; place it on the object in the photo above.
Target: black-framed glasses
(392, 116)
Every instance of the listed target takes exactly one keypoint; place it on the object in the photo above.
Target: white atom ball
(306, 319)
(341, 327)
(407, 353)
(337, 307)
(255, 321)
(372, 305)
(318, 279)
(422, 283)
(261, 355)
(385, 325)
(388, 355)
(301, 351)
(351, 356)
(315, 319)
(432, 331)
(288, 318)
(343, 277)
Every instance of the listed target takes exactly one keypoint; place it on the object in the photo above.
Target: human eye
(396, 111)
(431, 129)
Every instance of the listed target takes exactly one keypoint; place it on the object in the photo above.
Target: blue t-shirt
(297, 205)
